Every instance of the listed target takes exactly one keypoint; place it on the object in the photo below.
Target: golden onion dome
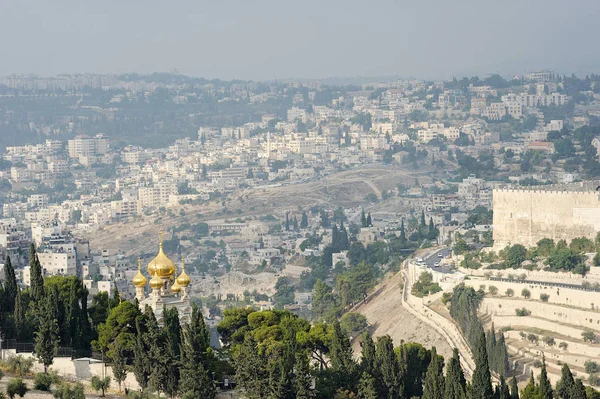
(139, 280)
(183, 280)
(161, 266)
(175, 288)
(156, 283)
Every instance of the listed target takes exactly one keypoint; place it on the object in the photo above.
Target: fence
(62, 351)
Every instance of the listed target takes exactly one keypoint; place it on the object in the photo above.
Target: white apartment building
(88, 146)
(296, 113)
(134, 155)
(58, 262)
(37, 200)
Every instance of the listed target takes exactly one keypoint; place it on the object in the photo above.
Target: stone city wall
(525, 216)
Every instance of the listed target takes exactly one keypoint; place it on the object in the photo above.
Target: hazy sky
(255, 39)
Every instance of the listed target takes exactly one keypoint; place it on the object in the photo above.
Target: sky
(311, 39)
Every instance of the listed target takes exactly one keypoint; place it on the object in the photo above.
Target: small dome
(175, 288)
(161, 265)
(139, 280)
(156, 283)
(183, 280)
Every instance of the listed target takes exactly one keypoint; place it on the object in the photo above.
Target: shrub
(509, 292)
(544, 297)
(16, 386)
(591, 367)
(589, 336)
(525, 293)
(563, 345)
(20, 365)
(594, 380)
(549, 341)
(522, 312)
(43, 381)
(69, 391)
(492, 290)
(537, 364)
(532, 338)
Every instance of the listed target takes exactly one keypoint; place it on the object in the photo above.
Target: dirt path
(385, 313)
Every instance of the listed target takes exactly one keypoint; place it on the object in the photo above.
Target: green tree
(116, 354)
(363, 218)
(391, 378)
(369, 220)
(304, 220)
(324, 306)
(36, 277)
(481, 383)
(47, 335)
(366, 387)
(68, 391)
(514, 388)
(455, 387)
(100, 384)
(434, 379)
(502, 389)
(566, 384)
(340, 355)
(10, 285)
(545, 385)
(515, 255)
(19, 316)
(531, 390)
(302, 377)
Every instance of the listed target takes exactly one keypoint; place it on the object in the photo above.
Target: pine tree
(287, 221)
(366, 387)
(369, 221)
(47, 335)
(363, 218)
(304, 220)
(390, 382)
(10, 285)
(566, 384)
(434, 379)
(455, 379)
(514, 389)
(481, 382)
(545, 385)
(37, 279)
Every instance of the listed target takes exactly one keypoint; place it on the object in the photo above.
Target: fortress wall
(560, 296)
(575, 317)
(526, 216)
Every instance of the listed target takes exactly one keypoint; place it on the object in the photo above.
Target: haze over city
(264, 40)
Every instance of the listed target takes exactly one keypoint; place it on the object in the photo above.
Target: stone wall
(525, 216)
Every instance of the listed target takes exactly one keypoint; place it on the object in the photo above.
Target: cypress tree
(390, 382)
(504, 392)
(118, 361)
(37, 279)
(172, 329)
(363, 218)
(366, 387)
(304, 220)
(566, 384)
(503, 364)
(19, 317)
(295, 223)
(47, 335)
(402, 233)
(531, 391)
(368, 354)
(302, 377)
(141, 361)
(335, 238)
(369, 221)
(455, 379)
(490, 346)
(344, 243)
(481, 382)
(287, 222)
(10, 285)
(579, 391)
(423, 225)
(340, 355)
(545, 385)
(514, 389)
(434, 379)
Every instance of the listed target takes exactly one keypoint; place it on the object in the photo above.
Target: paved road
(435, 258)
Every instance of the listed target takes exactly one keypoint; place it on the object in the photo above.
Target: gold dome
(161, 266)
(175, 288)
(183, 280)
(139, 280)
(156, 283)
